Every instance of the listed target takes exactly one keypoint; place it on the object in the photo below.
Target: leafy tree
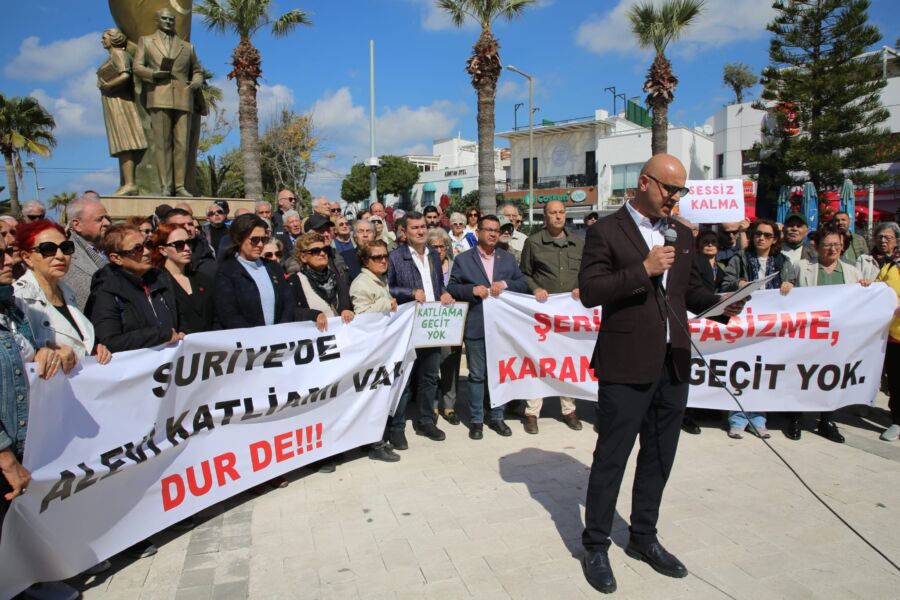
(61, 202)
(484, 67)
(396, 176)
(828, 113)
(24, 127)
(655, 27)
(739, 77)
(288, 144)
(245, 18)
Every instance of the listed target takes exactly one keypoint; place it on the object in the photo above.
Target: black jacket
(237, 297)
(712, 280)
(124, 317)
(203, 260)
(195, 310)
(351, 260)
(302, 311)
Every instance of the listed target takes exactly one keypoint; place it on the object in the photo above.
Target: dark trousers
(892, 368)
(624, 411)
(424, 381)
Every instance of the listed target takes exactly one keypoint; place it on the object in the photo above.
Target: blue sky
(575, 49)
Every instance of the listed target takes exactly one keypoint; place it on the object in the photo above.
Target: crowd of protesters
(98, 288)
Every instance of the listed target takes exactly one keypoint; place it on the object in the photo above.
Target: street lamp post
(530, 142)
(37, 185)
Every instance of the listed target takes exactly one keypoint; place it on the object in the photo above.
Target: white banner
(812, 350)
(713, 201)
(121, 451)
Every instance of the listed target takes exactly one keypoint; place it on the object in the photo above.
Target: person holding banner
(551, 259)
(482, 272)
(319, 293)
(826, 269)
(886, 259)
(415, 275)
(639, 266)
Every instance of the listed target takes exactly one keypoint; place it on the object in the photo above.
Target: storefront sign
(569, 196)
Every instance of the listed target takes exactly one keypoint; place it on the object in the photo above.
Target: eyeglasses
(486, 230)
(271, 255)
(49, 249)
(137, 250)
(832, 246)
(213, 213)
(291, 198)
(763, 234)
(35, 217)
(375, 221)
(378, 257)
(9, 251)
(438, 246)
(457, 224)
(259, 240)
(710, 243)
(732, 233)
(318, 251)
(335, 211)
(472, 214)
(179, 245)
(671, 189)
(885, 238)
(146, 231)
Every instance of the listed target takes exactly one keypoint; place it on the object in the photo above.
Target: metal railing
(549, 123)
(554, 181)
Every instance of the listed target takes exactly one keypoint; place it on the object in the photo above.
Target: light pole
(530, 142)
(516, 115)
(373, 163)
(37, 185)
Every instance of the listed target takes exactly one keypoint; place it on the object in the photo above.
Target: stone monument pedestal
(122, 207)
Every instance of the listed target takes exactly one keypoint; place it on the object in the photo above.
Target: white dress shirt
(653, 236)
(423, 264)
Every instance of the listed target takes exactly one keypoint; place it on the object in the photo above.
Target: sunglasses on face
(379, 257)
(272, 255)
(9, 251)
(137, 250)
(259, 240)
(147, 231)
(710, 243)
(763, 234)
(213, 213)
(438, 246)
(671, 189)
(375, 221)
(335, 211)
(49, 249)
(315, 251)
(457, 224)
(179, 245)
(35, 217)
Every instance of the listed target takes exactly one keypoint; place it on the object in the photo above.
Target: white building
(451, 169)
(593, 163)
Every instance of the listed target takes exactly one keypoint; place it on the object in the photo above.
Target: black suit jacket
(237, 298)
(712, 280)
(631, 344)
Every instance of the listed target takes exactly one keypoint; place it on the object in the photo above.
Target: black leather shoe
(793, 430)
(829, 431)
(500, 427)
(659, 558)
(383, 453)
(476, 431)
(689, 426)
(451, 418)
(326, 466)
(398, 440)
(430, 430)
(598, 571)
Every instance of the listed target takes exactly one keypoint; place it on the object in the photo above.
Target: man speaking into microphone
(638, 265)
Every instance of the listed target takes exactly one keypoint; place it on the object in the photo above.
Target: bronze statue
(172, 74)
(124, 131)
(137, 18)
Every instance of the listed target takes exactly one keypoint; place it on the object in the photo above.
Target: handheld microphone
(670, 235)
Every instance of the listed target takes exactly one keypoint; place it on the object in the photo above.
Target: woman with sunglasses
(47, 302)
(273, 251)
(250, 291)
(145, 224)
(132, 305)
(472, 217)
(193, 289)
(460, 239)
(318, 292)
(712, 272)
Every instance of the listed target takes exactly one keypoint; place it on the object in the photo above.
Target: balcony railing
(554, 181)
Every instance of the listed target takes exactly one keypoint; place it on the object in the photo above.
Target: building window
(427, 198)
(720, 166)
(624, 178)
(590, 167)
(525, 171)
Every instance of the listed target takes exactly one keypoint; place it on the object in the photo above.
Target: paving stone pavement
(502, 518)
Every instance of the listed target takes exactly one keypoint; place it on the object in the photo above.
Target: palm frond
(455, 9)
(513, 9)
(215, 16)
(289, 21)
(657, 26)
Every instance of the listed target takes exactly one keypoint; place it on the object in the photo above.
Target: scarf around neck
(324, 283)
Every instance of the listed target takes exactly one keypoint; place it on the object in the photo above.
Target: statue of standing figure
(172, 74)
(123, 124)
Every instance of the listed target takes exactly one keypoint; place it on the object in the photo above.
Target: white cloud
(269, 99)
(510, 89)
(436, 19)
(77, 110)
(55, 60)
(104, 182)
(723, 22)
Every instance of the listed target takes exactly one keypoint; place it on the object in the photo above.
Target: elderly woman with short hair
(438, 239)
(460, 239)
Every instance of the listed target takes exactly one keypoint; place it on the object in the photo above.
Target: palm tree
(61, 201)
(24, 126)
(655, 27)
(484, 66)
(245, 18)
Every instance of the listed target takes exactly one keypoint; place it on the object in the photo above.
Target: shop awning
(429, 187)
(456, 184)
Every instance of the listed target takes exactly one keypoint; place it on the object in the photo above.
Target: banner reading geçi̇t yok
(815, 349)
(121, 451)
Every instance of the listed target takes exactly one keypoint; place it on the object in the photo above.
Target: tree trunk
(12, 186)
(659, 143)
(487, 189)
(249, 124)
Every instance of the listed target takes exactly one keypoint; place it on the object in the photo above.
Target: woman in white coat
(48, 303)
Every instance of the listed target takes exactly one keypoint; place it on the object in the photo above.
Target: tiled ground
(501, 518)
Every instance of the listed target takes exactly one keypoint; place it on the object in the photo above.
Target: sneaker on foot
(736, 433)
(891, 434)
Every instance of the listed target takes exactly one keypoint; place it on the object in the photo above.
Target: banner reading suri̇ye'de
(121, 451)
(816, 349)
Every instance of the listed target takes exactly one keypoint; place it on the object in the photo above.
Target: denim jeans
(475, 356)
(738, 420)
(424, 379)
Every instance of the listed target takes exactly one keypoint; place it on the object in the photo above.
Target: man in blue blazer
(415, 275)
(483, 271)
